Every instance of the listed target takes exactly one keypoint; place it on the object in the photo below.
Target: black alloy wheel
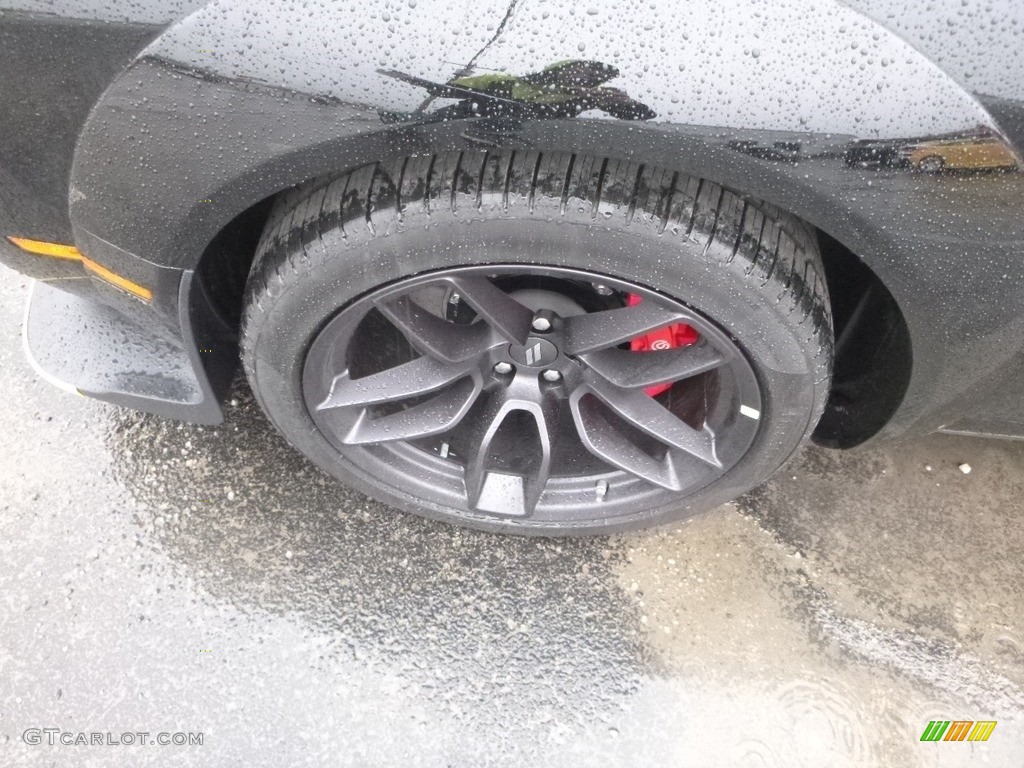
(527, 401)
(538, 343)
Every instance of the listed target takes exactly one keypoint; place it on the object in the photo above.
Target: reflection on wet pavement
(159, 576)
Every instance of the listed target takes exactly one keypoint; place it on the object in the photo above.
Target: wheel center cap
(536, 353)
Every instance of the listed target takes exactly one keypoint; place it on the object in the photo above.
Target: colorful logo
(958, 730)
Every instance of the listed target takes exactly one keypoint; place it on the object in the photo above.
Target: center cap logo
(537, 352)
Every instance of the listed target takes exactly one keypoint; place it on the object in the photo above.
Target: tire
(931, 164)
(583, 235)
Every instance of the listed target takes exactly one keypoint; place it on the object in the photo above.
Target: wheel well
(872, 350)
(224, 266)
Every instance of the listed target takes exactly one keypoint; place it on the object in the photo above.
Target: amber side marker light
(70, 253)
(54, 250)
(114, 279)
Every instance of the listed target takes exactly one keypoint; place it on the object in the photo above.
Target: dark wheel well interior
(225, 264)
(873, 352)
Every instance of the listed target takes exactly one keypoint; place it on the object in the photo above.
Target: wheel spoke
(546, 416)
(434, 336)
(651, 417)
(608, 444)
(416, 377)
(495, 307)
(633, 370)
(509, 493)
(600, 330)
(437, 415)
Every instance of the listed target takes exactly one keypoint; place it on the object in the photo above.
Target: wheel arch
(224, 102)
(238, 126)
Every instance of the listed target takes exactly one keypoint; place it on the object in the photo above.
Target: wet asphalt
(161, 577)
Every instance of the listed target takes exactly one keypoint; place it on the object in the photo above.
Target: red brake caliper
(670, 337)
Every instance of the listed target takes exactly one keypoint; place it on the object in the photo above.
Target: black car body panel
(192, 116)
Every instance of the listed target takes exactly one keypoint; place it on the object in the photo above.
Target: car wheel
(538, 343)
(931, 164)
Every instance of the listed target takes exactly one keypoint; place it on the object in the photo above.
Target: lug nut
(551, 375)
(541, 324)
(503, 368)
